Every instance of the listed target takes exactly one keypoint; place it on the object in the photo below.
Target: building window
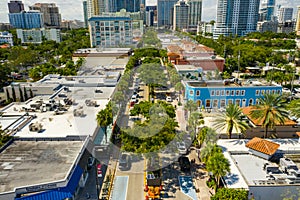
(222, 92)
(256, 92)
(238, 102)
(198, 93)
(218, 93)
(227, 92)
(278, 92)
(212, 93)
(237, 93)
(273, 91)
(232, 92)
(191, 92)
(199, 103)
(262, 92)
(244, 102)
(257, 101)
(250, 102)
(243, 93)
(267, 91)
(207, 103)
(222, 103)
(230, 101)
(215, 103)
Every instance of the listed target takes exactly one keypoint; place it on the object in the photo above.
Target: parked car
(134, 98)
(184, 163)
(99, 170)
(181, 148)
(169, 99)
(124, 162)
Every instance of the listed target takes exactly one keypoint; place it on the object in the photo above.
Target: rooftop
(247, 110)
(26, 163)
(247, 169)
(263, 146)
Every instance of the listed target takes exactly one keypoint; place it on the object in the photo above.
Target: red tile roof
(263, 146)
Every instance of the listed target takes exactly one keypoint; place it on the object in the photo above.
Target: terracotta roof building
(262, 148)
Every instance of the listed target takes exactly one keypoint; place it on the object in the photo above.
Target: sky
(72, 9)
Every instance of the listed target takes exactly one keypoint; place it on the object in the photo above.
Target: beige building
(52, 17)
(298, 22)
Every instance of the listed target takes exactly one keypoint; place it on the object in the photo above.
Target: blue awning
(58, 193)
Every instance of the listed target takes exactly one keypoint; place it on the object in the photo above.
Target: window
(227, 92)
(238, 102)
(199, 103)
(207, 103)
(237, 93)
(198, 93)
(244, 102)
(230, 101)
(278, 92)
(256, 92)
(262, 92)
(273, 91)
(218, 93)
(232, 92)
(215, 103)
(212, 93)
(222, 103)
(267, 91)
(250, 102)
(243, 93)
(191, 92)
(256, 101)
(222, 92)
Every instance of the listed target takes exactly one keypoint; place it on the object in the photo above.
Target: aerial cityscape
(150, 100)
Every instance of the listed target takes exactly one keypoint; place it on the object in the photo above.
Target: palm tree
(230, 119)
(270, 111)
(105, 118)
(218, 165)
(294, 107)
(195, 120)
(206, 135)
(190, 106)
(179, 87)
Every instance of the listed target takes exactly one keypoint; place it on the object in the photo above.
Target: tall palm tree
(105, 118)
(190, 106)
(270, 111)
(195, 120)
(218, 165)
(230, 119)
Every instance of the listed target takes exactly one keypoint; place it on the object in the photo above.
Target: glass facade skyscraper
(15, 6)
(181, 15)
(165, 12)
(195, 12)
(236, 17)
(26, 20)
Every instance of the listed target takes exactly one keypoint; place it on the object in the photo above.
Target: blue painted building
(219, 93)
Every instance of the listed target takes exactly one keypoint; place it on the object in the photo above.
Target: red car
(99, 171)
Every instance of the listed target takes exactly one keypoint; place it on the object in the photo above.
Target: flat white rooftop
(26, 163)
(246, 169)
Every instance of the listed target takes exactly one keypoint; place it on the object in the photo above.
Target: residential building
(165, 9)
(72, 24)
(285, 14)
(37, 35)
(181, 15)
(286, 27)
(215, 94)
(154, 8)
(26, 20)
(150, 18)
(266, 12)
(85, 13)
(129, 5)
(266, 168)
(5, 26)
(264, 26)
(205, 28)
(6, 37)
(236, 17)
(15, 6)
(298, 21)
(52, 17)
(195, 12)
(110, 31)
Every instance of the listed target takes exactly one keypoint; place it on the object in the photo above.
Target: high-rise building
(266, 12)
(195, 11)
(285, 14)
(236, 17)
(181, 15)
(37, 35)
(85, 13)
(26, 20)
(165, 12)
(110, 31)
(52, 17)
(129, 5)
(97, 7)
(298, 21)
(15, 6)
(6, 37)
